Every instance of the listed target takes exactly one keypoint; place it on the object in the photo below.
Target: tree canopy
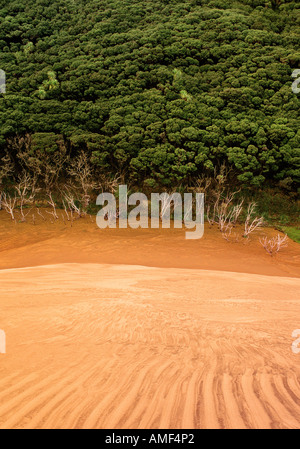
(160, 91)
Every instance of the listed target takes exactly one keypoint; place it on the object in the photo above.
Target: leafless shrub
(230, 236)
(85, 183)
(236, 212)
(66, 211)
(225, 214)
(226, 234)
(252, 223)
(273, 245)
(110, 184)
(45, 165)
(69, 200)
(220, 177)
(81, 171)
(72, 217)
(209, 219)
(6, 168)
(220, 208)
(25, 192)
(9, 204)
(165, 204)
(52, 204)
(41, 215)
(63, 219)
(202, 184)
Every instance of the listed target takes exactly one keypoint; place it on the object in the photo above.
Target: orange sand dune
(25, 244)
(199, 338)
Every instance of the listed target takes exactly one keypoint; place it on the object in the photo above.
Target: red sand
(144, 329)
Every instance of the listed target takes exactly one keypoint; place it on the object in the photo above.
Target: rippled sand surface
(98, 339)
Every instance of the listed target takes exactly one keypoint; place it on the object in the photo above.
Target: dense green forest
(158, 92)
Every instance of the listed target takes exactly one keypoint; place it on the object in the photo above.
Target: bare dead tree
(227, 233)
(25, 192)
(252, 223)
(202, 184)
(218, 201)
(52, 204)
(9, 204)
(165, 204)
(17, 144)
(113, 184)
(81, 171)
(6, 168)
(39, 213)
(84, 184)
(236, 212)
(229, 236)
(7, 201)
(209, 219)
(70, 200)
(66, 211)
(188, 211)
(1, 197)
(219, 179)
(273, 245)
(225, 214)
(46, 166)
(109, 185)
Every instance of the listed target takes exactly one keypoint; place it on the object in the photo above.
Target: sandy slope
(25, 244)
(144, 329)
(114, 346)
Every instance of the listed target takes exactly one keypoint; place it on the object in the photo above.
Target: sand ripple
(103, 346)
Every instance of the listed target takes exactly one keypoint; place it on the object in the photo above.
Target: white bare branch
(273, 245)
(51, 203)
(252, 223)
(9, 204)
(25, 192)
(70, 200)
